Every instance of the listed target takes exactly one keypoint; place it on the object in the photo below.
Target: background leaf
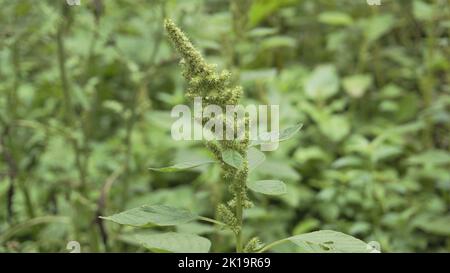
(357, 85)
(323, 83)
(335, 18)
(269, 187)
(182, 166)
(159, 215)
(175, 242)
(328, 241)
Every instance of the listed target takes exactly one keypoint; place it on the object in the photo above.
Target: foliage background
(86, 92)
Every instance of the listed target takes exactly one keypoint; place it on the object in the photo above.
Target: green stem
(30, 223)
(63, 73)
(239, 211)
(206, 219)
(267, 247)
(129, 147)
(13, 103)
(69, 115)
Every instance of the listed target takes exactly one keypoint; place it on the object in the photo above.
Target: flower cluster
(216, 89)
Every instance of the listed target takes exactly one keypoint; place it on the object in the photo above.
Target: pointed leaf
(174, 242)
(269, 187)
(233, 158)
(255, 158)
(282, 136)
(357, 85)
(328, 241)
(323, 83)
(434, 225)
(335, 18)
(159, 215)
(290, 132)
(182, 166)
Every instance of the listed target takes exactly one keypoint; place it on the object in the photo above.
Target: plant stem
(13, 103)
(63, 73)
(239, 210)
(79, 149)
(267, 247)
(206, 219)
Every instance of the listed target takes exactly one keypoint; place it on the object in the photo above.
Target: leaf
(113, 105)
(423, 11)
(174, 242)
(357, 85)
(261, 32)
(255, 158)
(323, 83)
(233, 158)
(385, 151)
(430, 157)
(289, 132)
(195, 228)
(269, 187)
(182, 166)
(335, 127)
(258, 75)
(278, 42)
(159, 215)
(347, 161)
(279, 169)
(335, 18)
(306, 225)
(437, 225)
(282, 136)
(328, 241)
(261, 9)
(377, 26)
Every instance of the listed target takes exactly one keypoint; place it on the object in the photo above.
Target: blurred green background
(86, 92)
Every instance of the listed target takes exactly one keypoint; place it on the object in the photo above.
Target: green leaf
(306, 225)
(269, 187)
(280, 169)
(175, 242)
(146, 215)
(113, 105)
(430, 157)
(249, 76)
(335, 18)
(377, 26)
(423, 11)
(385, 151)
(347, 161)
(261, 9)
(335, 127)
(233, 158)
(284, 135)
(328, 241)
(436, 225)
(182, 166)
(278, 42)
(323, 83)
(357, 85)
(262, 31)
(289, 132)
(255, 158)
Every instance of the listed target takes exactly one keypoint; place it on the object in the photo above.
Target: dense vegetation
(86, 93)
